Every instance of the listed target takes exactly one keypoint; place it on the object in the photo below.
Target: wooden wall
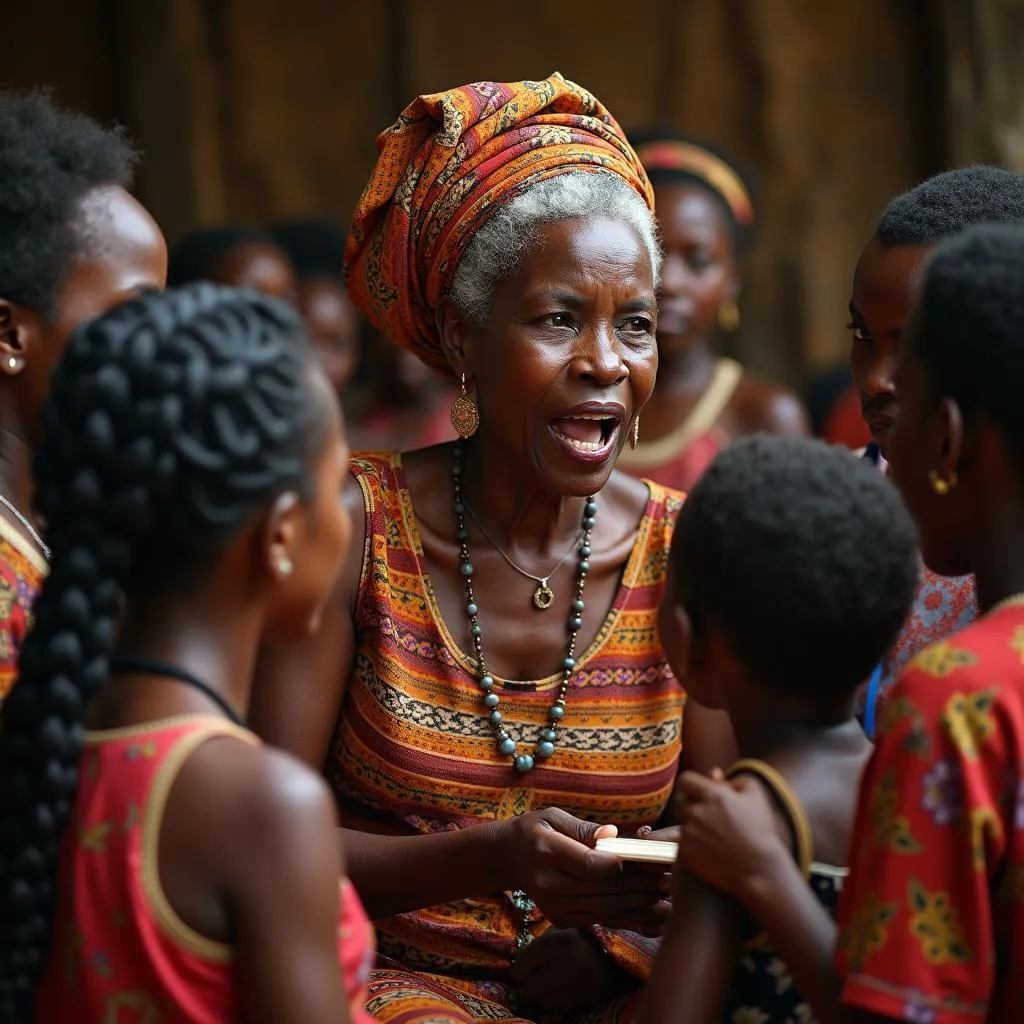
(253, 110)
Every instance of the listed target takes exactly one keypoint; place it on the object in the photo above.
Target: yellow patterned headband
(673, 155)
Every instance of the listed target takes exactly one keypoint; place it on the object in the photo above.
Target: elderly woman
(488, 689)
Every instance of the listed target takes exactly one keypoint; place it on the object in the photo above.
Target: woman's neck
(203, 637)
(515, 513)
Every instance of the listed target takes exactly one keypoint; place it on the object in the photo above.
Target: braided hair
(171, 421)
(969, 326)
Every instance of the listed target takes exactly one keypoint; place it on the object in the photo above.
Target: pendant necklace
(548, 736)
(543, 596)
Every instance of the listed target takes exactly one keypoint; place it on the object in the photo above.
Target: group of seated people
(259, 691)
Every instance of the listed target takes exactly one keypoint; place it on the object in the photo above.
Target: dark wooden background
(253, 110)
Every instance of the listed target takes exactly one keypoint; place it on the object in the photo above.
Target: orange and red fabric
(448, 162)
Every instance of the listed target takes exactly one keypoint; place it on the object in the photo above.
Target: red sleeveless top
(119, 950)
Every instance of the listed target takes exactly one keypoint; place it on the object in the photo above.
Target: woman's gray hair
(499, 247)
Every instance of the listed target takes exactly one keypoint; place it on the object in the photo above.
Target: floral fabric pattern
(932, 915)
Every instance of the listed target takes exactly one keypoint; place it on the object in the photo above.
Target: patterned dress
(414, 754)
(120, 952)
(942, 606)
(932, 916)
(22, 570)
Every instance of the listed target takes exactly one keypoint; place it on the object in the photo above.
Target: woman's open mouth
(587, 436)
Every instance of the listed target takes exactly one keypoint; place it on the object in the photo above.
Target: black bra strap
(153, 667)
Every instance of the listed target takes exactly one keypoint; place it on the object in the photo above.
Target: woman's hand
(730, 834)
(551, 857)
(542, 972)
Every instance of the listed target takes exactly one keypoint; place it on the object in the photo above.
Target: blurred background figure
(702, 400)
(243, 257)
(834, 407)
(316, 249)
(399, 403)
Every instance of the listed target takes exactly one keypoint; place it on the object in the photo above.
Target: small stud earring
(12, 363)
(285, 566)
(942, 486)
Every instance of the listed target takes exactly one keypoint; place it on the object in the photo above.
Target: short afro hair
(951, 202)
(803, 556)
(196, 256)
(49, 160)
(316, 249)
(968, 330)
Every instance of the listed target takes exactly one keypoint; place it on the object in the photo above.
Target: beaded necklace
(548, 736)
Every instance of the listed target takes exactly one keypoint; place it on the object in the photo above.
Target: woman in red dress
(700, 401)
(189, 479)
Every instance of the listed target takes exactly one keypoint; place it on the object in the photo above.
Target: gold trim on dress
(702, 418)
(166, 917)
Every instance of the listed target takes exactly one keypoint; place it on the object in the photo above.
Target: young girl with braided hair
(155, 859)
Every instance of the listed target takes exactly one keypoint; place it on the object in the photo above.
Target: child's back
(792, 569)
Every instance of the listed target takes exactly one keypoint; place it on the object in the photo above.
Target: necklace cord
(123, 663)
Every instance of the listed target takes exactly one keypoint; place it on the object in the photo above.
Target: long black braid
(171, 421)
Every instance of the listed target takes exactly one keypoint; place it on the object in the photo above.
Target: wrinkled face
(123, 254)
(698, 273)
(333, 326)
(922, 441)
(258, 265)
(568, 357)
(885, 287)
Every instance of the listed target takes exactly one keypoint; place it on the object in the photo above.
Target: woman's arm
(697, 959)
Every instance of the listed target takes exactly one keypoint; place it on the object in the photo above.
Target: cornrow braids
(171, 421)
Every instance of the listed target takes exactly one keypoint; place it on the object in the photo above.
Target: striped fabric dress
(414, 754)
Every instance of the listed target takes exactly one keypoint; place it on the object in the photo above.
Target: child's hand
(541, 970)
(730, 834)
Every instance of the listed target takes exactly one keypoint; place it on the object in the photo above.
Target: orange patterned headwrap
(447, 163)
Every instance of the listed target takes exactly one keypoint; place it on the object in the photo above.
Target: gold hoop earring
(465, 414)
(942, 485)
(729, 316)
(634, 438)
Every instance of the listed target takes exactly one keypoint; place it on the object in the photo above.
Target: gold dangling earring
(942, 486)
(729, 316)
(465, 415)
(634, 437)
